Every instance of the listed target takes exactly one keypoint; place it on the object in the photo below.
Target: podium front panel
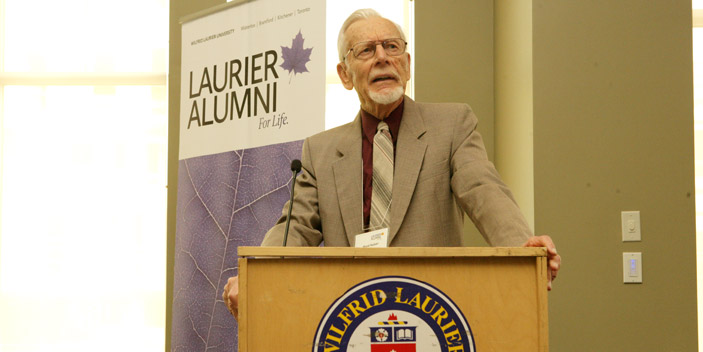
(284, 300)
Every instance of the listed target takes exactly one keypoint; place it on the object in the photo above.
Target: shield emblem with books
(393, 335)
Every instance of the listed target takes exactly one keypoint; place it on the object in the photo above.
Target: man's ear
(345, 76)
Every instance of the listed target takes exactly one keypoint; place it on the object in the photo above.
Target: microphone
(295, 167)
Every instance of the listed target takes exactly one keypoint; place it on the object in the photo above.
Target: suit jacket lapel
(348, 180)
(410, 151)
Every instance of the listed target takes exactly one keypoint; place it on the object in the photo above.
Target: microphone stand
(295, 167)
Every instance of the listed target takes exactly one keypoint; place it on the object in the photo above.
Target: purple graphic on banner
(225, 200)
(296, 56)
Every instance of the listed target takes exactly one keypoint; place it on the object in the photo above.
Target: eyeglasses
(366, 50)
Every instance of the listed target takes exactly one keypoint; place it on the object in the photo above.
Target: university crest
(393, 336)
(393, 314)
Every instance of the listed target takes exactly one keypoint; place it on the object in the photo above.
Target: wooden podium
(288, 295)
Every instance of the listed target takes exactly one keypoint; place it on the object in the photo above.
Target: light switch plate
(631, 231)
(632, 267)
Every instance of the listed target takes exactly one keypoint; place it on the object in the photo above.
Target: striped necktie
(382, 185)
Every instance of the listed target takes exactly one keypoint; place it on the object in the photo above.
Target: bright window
(698, 142)
(83, 150)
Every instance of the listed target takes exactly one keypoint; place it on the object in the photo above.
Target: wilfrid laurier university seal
(393, 313)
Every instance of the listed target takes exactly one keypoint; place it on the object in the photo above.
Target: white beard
(387, 97)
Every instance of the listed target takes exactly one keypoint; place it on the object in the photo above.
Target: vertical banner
(252, 87)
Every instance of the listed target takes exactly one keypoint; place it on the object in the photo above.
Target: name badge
(372, 239)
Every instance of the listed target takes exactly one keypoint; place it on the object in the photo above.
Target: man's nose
(380, 52)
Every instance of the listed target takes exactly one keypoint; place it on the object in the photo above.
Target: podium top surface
(393, 252)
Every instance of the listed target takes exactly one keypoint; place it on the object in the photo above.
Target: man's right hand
(231, 296)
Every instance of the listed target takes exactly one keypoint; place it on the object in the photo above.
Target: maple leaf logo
(295, 57)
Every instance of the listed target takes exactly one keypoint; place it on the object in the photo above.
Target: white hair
(356, 16)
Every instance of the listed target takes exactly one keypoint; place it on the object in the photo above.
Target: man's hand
(554, 259)
(231, 296)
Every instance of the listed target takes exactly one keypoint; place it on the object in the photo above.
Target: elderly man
(413, 168)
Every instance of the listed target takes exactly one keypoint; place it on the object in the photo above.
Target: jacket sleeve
(479, 189)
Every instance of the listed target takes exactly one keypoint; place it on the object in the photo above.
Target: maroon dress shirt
(369, 123)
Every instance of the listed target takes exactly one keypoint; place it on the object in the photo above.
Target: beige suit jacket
(441, 168)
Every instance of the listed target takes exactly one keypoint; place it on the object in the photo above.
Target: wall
(612, 118)
(613, 124)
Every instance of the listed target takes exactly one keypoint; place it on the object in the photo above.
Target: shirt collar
(369, 123)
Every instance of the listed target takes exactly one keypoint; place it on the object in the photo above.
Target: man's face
(381, 79)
